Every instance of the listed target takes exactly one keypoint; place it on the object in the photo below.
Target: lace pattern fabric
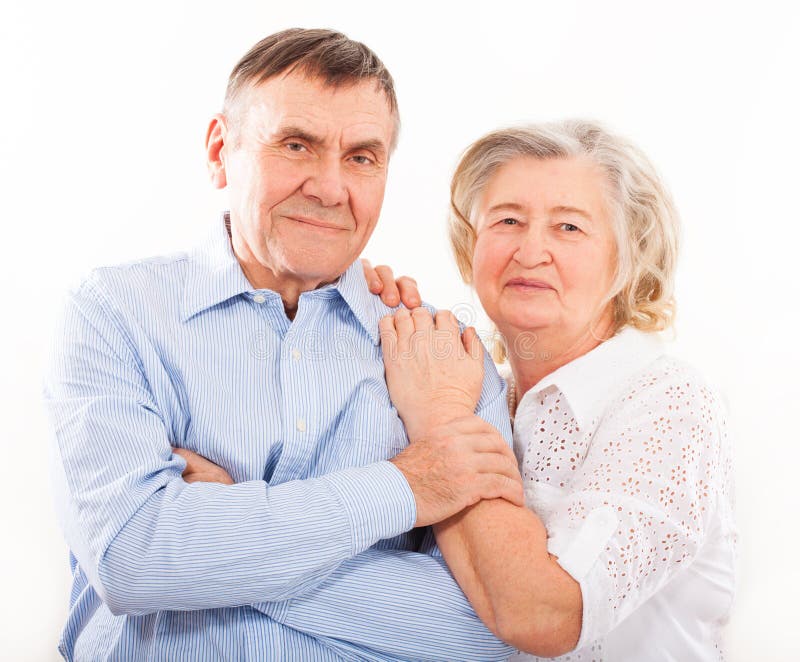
(625, 457)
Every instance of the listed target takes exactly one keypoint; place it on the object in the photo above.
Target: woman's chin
(531, 326)
(521, 318)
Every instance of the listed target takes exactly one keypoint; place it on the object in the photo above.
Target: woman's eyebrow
(563, 209)
(505, 206)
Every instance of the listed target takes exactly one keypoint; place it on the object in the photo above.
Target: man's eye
(361, 159)
(295, 147)
(569, 227)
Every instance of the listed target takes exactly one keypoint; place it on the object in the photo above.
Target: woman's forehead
(549, 184)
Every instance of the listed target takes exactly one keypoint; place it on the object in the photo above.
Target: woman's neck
(532, 361)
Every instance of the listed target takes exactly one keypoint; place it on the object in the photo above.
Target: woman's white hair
(645, 222)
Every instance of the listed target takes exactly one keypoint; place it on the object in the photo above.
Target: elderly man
(260, 351)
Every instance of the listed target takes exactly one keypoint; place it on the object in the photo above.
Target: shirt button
(259, 298)
(301, 425)
(296, 354)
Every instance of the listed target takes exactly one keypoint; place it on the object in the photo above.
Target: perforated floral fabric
(625, 456)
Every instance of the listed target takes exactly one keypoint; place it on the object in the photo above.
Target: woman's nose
(534, 247)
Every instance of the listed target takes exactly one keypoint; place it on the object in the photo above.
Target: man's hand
(456, 465)
(200, 470)
(381, 281)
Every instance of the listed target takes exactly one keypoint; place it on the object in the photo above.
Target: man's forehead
(310, 104)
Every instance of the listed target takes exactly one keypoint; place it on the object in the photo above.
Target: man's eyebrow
(291, 131)
(371, 145)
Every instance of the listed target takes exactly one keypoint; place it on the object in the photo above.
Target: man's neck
(263, 278)
(289, 288)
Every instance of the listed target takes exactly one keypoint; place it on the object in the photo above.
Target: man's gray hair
(318, 53)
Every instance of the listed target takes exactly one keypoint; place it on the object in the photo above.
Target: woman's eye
(569, 227)
(509, 221)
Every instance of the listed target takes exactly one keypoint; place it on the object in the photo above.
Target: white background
(104, 110)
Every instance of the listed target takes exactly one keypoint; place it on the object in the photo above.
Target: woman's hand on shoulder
(393, 292)
(434, 373)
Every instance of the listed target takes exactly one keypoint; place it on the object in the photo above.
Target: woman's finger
(423, 321)
(388, 336)
(371, 276)
(390, 295)
(446, 321)
(472, 343)
(409, 292)
(405, 329)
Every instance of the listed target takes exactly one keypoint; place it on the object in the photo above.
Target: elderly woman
(626, 548)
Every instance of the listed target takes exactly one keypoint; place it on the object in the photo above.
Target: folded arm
(396, 605)
(143, 535)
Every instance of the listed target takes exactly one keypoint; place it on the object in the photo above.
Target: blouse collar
(591, 380)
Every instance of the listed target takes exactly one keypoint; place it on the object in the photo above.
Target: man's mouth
(317, 223)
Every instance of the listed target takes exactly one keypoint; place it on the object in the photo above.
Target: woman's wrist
(417, 430)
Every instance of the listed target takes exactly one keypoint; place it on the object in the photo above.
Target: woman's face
(545, 253)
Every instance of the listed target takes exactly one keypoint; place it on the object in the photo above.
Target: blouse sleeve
(641, 504)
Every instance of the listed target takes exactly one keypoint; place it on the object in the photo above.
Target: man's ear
(215, 141)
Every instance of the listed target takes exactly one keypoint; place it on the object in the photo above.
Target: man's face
(305, 166)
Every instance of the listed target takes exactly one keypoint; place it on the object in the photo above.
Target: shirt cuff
(579, 551)
(377, 500)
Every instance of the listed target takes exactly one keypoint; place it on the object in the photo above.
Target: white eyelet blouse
(625, 458)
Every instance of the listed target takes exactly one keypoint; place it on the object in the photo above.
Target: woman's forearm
(498, 554)
(457, 554)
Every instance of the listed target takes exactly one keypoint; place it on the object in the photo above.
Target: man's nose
(326, 184)
(534, 247)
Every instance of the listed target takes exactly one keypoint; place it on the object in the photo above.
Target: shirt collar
(216, 276)
(591, 380)
(214, 272)
(367, 308)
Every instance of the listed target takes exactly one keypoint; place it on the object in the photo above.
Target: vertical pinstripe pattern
(310, 555)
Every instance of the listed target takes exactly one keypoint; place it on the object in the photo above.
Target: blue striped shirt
(311, 555)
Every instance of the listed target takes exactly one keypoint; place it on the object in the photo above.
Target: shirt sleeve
(643, 501)
(149, 541)
(390, 604)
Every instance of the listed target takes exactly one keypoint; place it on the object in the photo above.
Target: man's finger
(501, 487)
(498, 465)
